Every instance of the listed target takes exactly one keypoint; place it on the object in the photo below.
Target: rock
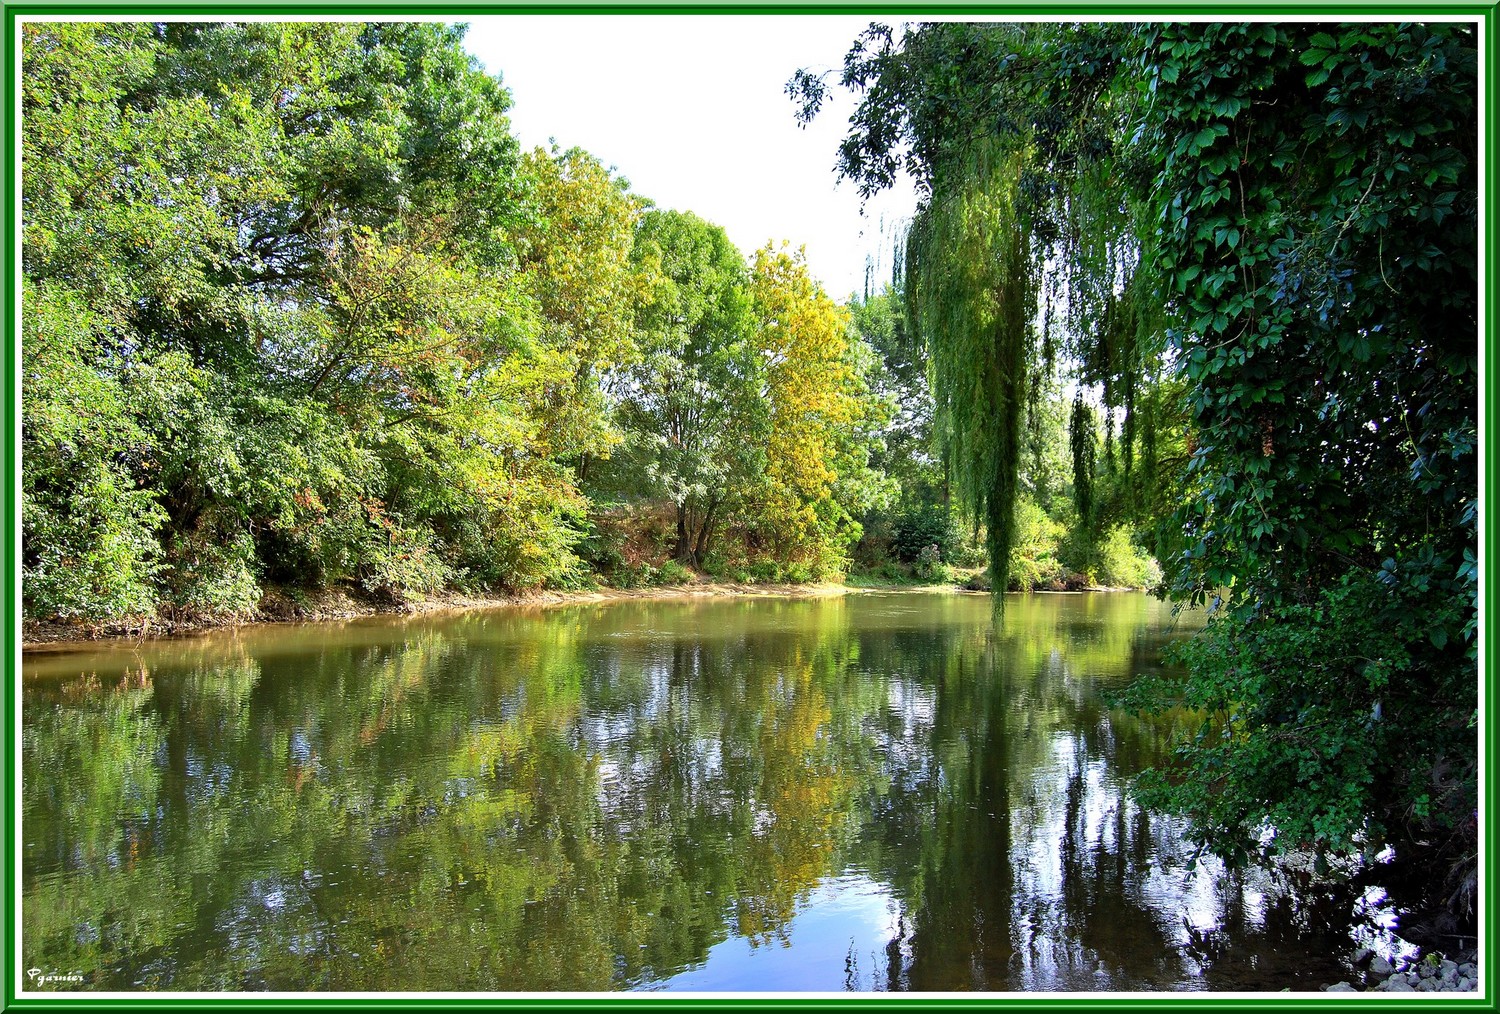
(1428, 972)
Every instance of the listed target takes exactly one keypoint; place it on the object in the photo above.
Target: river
(866, 792)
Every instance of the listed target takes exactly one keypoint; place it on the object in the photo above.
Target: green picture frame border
(13, 12)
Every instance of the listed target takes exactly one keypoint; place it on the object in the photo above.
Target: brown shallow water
(868, 792)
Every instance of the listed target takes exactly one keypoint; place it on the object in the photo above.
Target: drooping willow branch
(971, 292)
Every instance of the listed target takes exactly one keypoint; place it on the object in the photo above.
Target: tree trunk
(683, 553)
(703, 535)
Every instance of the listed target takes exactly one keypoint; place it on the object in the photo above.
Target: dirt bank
(279, 606)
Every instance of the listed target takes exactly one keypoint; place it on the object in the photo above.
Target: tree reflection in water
(873, 792)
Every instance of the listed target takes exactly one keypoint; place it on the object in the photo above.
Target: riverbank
(281, 606)
(300, 606)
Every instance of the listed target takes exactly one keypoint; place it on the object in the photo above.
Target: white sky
(691, 110)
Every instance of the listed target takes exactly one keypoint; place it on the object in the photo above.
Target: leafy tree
(577, 256)
(907, 453)
(899, 377)
(820, 419)
(1320, 233)
(323, 358)
(89, 548)
(692, 400)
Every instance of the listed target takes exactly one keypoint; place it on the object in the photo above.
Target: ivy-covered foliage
(1257, 246)
(1319, 235)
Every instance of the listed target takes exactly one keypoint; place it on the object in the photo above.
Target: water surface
(869, 792)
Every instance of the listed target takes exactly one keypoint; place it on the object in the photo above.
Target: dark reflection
(873, 792)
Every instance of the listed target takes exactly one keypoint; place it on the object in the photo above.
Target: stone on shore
(1433, 972)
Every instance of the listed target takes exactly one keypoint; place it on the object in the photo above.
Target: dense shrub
(798, 573)
(1123, 564)
(639, 575)
(929, 565)
(92, 554)
(764, 571)
(210, 573)
(672, 572)
(919, 525)
(1350, 775)
(1034, 552)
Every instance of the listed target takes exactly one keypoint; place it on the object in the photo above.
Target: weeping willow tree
(1024, 263)
(1012, 280)
(971, 286)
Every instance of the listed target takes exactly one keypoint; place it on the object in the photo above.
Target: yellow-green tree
(822, 419)
(576, 253)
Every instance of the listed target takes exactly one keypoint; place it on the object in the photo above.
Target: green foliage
(970, 290)
(1123, 564)
(88, 535)
(1318, 726)
(1311, 463)
(1331, 308)
(915, 514)
(1022, 249)
(798, 572)
(929, 566)
(764, 572)
(274, 293)
(1257, 243)
(749, 408)
(92, 554)
(299, 312)
(209, 573)
(577, 257)
(1083, 440)
(920, 525)
(1034, 555)
(672, 572)
(689, 405)
(641, 575)
(898, 377)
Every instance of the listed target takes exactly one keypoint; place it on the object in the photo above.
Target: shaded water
(871, 792)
